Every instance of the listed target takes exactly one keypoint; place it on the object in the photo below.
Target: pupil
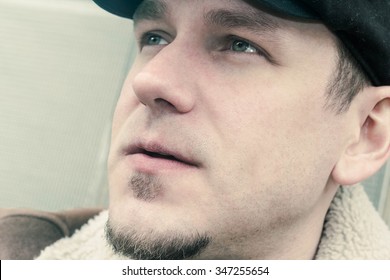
(154, 40)
(240, 46)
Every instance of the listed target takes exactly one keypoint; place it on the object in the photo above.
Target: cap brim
(293, 8)
(122, 8)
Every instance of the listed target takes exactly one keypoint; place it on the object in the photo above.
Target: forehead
(160, 9)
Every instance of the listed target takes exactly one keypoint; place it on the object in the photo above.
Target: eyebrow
(150, 10)
(250, 18)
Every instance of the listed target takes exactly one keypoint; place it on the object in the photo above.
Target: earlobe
(363, 158)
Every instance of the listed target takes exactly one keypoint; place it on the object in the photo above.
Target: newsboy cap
(362, 25)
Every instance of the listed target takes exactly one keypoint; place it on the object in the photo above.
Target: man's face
(220, 137)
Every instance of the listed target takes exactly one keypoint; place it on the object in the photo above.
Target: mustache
(172, 140)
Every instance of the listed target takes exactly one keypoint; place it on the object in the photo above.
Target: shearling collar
(353, 230)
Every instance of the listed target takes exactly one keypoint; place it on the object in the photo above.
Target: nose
(166, 81)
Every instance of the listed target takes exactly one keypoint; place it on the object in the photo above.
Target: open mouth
(154, 150)
(162, 156)
(165, 155)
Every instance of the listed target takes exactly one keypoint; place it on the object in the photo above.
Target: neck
(295, 240)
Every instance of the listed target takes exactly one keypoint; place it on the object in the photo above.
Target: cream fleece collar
(352, 230)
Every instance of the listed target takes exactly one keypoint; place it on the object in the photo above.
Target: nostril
(163, 103)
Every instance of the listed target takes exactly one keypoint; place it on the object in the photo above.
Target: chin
(137, 241)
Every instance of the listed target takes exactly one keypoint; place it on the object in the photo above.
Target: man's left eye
(242, 46)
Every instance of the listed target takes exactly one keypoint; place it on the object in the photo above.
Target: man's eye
(153, 40)
(243, 46)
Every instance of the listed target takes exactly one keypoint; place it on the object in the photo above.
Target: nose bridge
(167, 76)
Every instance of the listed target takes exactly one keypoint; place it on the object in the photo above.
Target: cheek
(284, 166)
(277, 138)
(126, 104)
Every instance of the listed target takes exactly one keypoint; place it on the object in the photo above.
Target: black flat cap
(362, 25)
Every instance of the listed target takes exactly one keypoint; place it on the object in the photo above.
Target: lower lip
(147, 164)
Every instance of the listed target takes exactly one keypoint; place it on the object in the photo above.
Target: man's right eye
(150, 39)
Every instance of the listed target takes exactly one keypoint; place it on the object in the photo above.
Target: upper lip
(158, 149)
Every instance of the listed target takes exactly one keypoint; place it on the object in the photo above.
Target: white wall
(62, 63)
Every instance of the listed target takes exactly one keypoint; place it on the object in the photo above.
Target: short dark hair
(347, 81)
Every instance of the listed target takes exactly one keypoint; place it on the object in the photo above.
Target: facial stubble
(152, 245)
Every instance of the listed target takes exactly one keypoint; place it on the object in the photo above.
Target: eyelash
(256, 50)
(228, 44)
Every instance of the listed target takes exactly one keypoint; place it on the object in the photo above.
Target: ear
(365, 156)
